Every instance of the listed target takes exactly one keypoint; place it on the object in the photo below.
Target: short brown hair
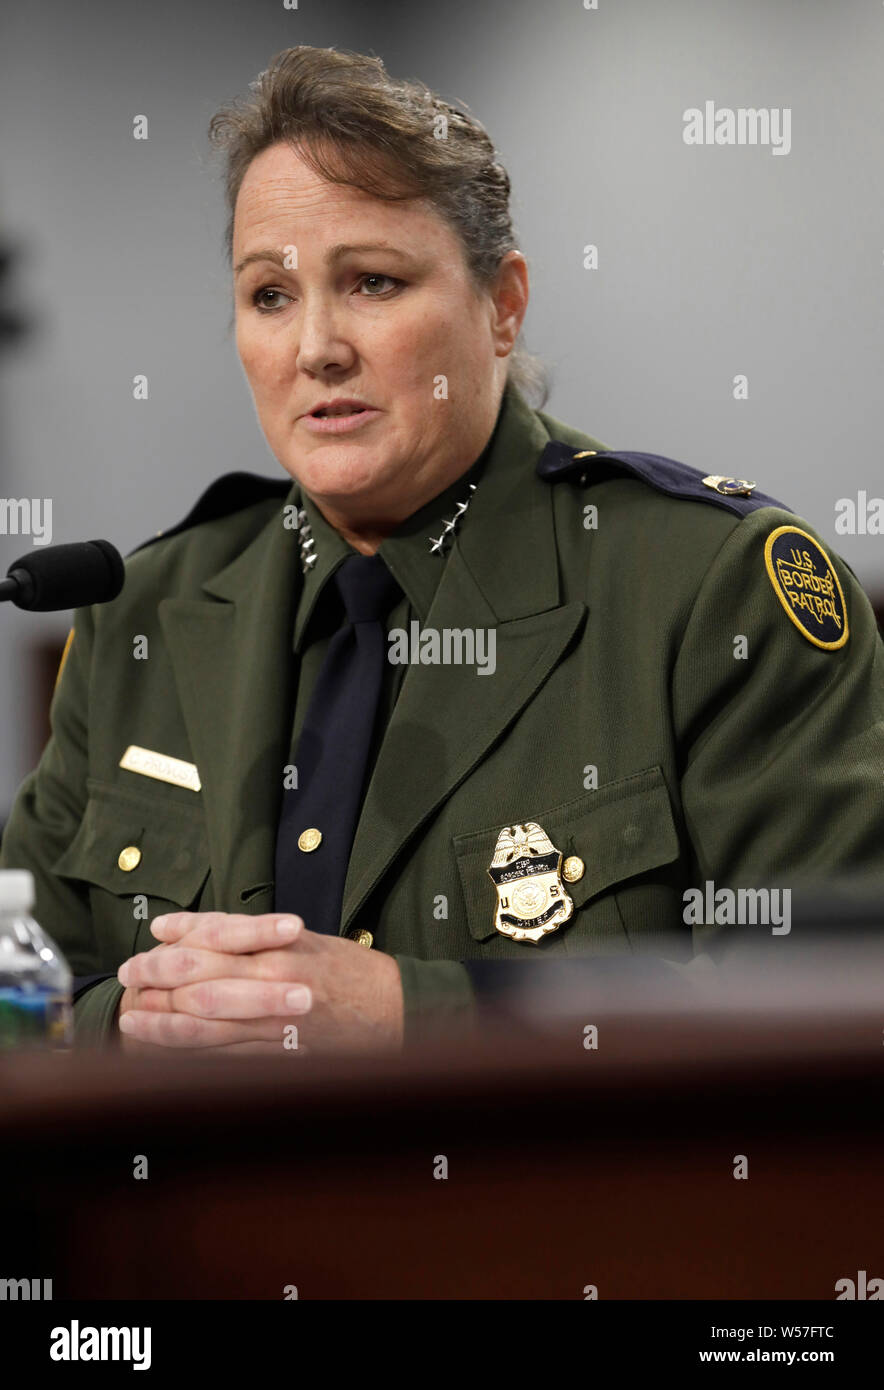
(354, 125)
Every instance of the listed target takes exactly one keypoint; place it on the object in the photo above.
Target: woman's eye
(370, 287)
(258, 299)
(373, 279)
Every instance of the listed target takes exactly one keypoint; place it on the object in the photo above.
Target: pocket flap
(622, 829)
(172, 859)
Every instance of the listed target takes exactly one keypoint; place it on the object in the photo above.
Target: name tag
(163, 768)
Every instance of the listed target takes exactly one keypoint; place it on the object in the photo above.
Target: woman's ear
(510, 294)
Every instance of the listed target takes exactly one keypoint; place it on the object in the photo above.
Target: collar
(417, 551)
(323, 550)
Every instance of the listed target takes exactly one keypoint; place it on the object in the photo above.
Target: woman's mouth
(339, 419)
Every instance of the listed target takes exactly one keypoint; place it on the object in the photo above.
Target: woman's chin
(342, 482)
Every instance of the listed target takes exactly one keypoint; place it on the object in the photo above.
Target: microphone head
(67, 576)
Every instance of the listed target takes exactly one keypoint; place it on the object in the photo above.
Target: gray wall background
(713, 261)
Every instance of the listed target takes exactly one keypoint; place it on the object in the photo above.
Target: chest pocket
(165, 845)
(620, 831)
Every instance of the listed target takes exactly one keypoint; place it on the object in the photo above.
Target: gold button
(573, 868)
(586, 454)
(362, 938)
(309, 840)
(129, 858)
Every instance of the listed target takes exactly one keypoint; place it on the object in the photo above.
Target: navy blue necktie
(319, 816)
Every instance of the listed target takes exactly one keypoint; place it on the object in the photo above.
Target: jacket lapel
(502, 574)
(235, 672)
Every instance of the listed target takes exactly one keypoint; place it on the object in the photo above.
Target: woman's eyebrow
(334, 253)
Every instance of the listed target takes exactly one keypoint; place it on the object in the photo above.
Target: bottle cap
(16, 890)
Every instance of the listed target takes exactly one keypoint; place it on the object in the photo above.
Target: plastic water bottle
(35, 980)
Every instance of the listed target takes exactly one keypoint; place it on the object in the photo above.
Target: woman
(465, 687)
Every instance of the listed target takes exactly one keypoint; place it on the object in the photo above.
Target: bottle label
(34, 1017)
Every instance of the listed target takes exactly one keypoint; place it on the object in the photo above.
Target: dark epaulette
(565, 462)
(227, 494)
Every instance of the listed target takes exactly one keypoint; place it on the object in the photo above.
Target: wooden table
(567, 1167)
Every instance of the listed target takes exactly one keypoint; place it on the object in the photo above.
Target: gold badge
(526, 871)
(805, 582)
(729, 487)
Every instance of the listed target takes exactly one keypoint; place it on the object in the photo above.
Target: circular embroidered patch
(805, 582)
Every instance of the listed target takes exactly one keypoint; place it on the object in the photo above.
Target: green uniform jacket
(624, 716)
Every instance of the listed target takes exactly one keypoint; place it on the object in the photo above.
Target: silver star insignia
(437, 543)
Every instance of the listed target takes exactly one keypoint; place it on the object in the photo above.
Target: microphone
(64, 576)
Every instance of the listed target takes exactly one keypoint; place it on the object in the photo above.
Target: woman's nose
(320, 340)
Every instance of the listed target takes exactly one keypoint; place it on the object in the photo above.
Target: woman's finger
(242, 999)
(231, 932)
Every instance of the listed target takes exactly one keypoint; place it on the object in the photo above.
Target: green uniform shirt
(661, 706)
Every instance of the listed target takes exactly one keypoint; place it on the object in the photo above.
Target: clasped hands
(235, 983)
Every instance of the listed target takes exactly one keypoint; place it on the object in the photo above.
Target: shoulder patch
(227, 494)
(807, 585)
(561, 461)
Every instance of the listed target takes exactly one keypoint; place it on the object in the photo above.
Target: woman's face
(381, 308)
